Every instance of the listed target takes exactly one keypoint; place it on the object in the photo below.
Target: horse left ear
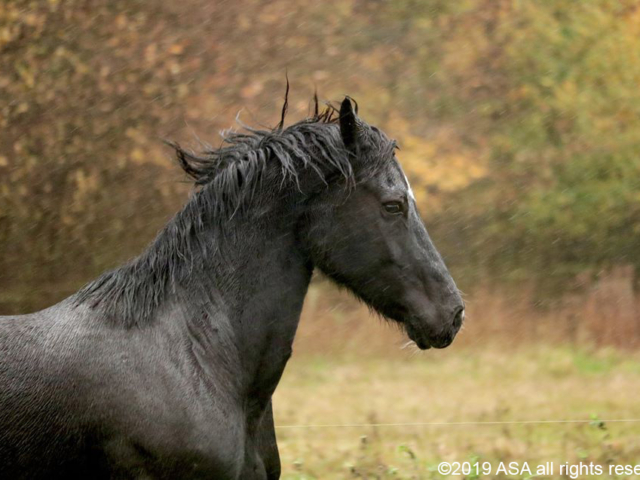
(349, 126)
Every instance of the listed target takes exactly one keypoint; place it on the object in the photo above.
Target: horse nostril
(458, 317)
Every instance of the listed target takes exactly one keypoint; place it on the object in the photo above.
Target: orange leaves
(252, 90)
(438, 169)
(437, 164)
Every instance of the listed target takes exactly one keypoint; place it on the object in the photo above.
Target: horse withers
(165, 367)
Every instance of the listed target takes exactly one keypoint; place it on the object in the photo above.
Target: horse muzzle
(440, 333)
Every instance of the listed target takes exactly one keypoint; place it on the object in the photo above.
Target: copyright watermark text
(547, 469)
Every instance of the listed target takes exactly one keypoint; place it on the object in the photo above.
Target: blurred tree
(517, 120)
(560, 119)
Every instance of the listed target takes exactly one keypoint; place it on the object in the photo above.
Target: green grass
(480, 384)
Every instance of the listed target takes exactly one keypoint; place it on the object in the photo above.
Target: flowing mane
(233, 171)
(228, 177)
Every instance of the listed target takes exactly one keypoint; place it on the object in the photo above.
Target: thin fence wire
(453, 424)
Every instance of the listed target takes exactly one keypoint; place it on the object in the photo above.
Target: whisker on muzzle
(412, 347)
(408, 344)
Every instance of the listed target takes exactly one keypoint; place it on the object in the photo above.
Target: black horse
(165, 367)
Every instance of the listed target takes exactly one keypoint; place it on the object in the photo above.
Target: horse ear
(349, 126)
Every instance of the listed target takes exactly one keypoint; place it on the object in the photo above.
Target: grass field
(466, 383)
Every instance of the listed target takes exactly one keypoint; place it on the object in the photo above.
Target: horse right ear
(349, 126)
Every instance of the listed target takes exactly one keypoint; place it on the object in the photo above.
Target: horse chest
(164, 426)
(191, 451)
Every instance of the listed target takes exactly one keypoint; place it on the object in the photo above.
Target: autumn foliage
(518, 122)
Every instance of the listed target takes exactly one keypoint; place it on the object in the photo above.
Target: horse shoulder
(72, 377)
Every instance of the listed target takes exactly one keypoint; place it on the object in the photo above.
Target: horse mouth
(422, 345)
(425, 341)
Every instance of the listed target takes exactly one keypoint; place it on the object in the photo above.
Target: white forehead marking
(408, 187)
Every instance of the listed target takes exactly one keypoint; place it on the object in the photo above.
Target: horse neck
(250, 287)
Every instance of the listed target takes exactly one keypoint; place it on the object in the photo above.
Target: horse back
(37, 434)
(84, 399)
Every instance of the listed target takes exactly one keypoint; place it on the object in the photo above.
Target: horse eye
(393, 207)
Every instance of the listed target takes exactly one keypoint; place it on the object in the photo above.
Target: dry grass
(480, 384)
(511, 363)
